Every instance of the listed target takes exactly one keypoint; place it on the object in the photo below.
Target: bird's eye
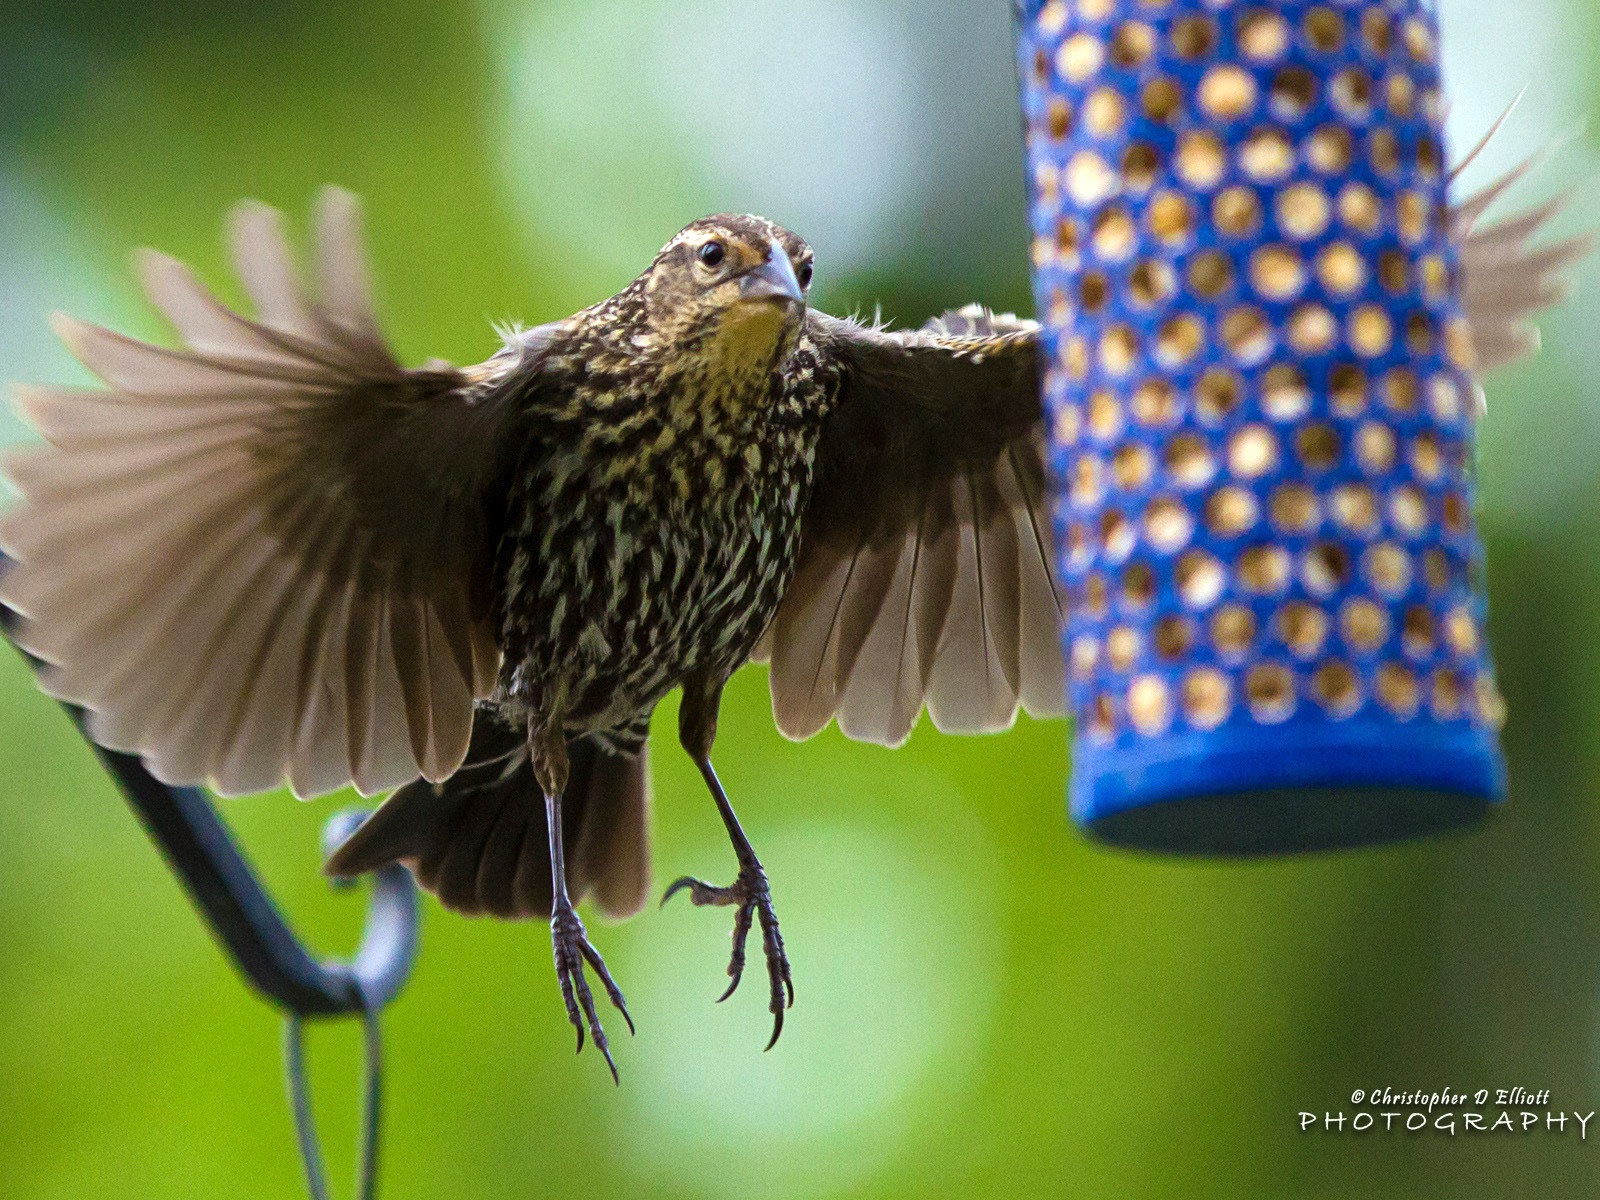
(712, 254)
(805, 275)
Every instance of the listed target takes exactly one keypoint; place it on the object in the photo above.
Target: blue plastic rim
(1259, 383)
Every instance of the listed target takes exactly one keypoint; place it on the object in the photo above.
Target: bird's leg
(568, 938)
(750, 892)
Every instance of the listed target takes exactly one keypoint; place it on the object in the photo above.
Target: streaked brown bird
(276, 554)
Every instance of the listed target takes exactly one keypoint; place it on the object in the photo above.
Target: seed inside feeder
(1491, 704)
(1331, 150)
(1105, 415)
(1138, 585)
(1102, 723)
(1188, 461)
(1168, 525)
(1194, 37)
(1200, 579)
(1416, 632)
(1119, 349)
(1207, 697)
(1180, 339)
(1325, 568)
(1447, 694)
(1163, 101)
(1351, 94)
(1080, 57)
(1436, 568)
(1263, 36)
(1375, 448)
(1303, 211)
(1132, 44)
(1087, 484)
(1408, 510)
(1264, 569)
(1267, 155)
(1461, 631)
(1355, 508)
(1303, 628)
(1085, 655)
(1150, 705)
(1389, 568)
(1401, 390)
(1295, 509)
(1336, 689)
(1094, 291)
(1248, 334)
(1218, 395)
(1285, 395)
(1230, 511)
(1227, 92)
(1342, 270)
(1210, 274)
(1252, 452)
(1116, 535)
(1122, 648)
(1171, 218)
(1089, 178)
(1201, 160)
(1360, 209)
(1398, 691)
(1132, 466)
(1155, 403)
(1233, 631)
(1096, 595)
(1318, 446)
(1277, 273)
(1140, 163)
(1294, 94)
(1364, 624)
(1105, 113)
(1237, 212)
(1114, 235)
(1347, 387)
(1269, 692)
(1174, 637)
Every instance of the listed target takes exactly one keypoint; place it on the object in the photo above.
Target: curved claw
(751, 894)
(676, 886)
(572, 951)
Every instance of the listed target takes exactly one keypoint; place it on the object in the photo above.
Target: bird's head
(731, 289)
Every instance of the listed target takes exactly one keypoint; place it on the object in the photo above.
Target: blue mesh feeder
(1257, 374)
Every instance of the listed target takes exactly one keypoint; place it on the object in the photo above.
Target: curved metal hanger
(248, 925)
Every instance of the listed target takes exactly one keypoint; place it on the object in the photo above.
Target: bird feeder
(1257, 373)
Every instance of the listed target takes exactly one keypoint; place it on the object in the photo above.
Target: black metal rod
(247, 924)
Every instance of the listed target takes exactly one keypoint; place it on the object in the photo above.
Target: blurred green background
(986, 1003)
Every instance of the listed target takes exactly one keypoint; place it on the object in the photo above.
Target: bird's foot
(753, 897)
(572, 950)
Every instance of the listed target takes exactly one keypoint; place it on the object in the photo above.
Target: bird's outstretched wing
(254, 558)
(924, 576)
(1507, 277)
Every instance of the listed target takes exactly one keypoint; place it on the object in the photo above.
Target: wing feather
(252, 558)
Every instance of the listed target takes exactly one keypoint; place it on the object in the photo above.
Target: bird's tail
(478, 839)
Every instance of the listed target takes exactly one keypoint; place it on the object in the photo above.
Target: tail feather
(478, 840)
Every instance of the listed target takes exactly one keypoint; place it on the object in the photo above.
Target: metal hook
(202, 853)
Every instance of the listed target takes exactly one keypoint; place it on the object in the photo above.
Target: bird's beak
(773, 279)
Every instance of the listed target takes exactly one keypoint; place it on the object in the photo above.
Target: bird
(274, 554)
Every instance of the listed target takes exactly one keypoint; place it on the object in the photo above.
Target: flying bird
(276, 554)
